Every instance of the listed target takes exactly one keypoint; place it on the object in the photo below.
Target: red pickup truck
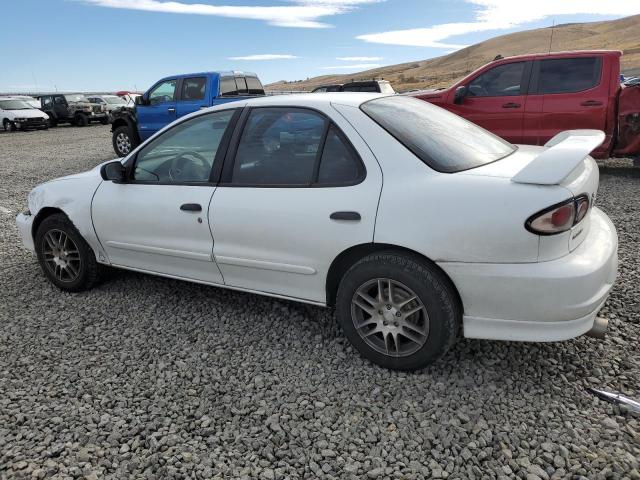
(530, 98)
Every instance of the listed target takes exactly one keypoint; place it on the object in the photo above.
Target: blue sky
(124, 44)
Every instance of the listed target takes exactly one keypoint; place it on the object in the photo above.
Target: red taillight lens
(559, 218)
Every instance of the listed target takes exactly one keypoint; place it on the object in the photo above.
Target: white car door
(157, 220)
(302, 189)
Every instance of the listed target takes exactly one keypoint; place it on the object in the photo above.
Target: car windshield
(76, 98)
(444, 141)
(14, 105)
(115, 100)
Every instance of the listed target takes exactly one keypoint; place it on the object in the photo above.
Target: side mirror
(113, 171)
(141, 100)
(461, 92)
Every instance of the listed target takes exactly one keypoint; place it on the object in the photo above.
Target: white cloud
(501, 15)
(301, 14)
(267, 56)
(359, 59)
(358, 66)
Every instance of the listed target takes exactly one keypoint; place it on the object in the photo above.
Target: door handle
(191, 207)
(511, 105)
(171, 110)
(348, 216)
(591, 103)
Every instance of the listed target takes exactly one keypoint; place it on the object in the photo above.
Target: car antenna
(498, 57)
(553, 27)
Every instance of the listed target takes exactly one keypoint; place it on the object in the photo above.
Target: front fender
(73, 196)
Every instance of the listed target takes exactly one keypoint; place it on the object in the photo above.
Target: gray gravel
(152, 378)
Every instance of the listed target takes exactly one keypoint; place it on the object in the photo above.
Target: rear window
(444, 141)
(228, 87)
(255, 87)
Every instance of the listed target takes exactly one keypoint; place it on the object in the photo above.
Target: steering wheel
(181, 163)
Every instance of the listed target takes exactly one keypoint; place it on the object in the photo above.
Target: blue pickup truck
(173, 97)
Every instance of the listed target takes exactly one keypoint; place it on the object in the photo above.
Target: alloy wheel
(61, 256)
(390, 317)
(123, 143)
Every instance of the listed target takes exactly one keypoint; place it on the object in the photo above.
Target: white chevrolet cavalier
(414, 223)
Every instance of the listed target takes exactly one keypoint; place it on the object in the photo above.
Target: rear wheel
(104, 121)
(399, 311)
(122, 140)
(65, 257)
(52, 122)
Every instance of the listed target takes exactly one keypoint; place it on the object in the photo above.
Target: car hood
(93, 173)
(31, 113)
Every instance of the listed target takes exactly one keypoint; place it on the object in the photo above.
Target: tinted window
(228, 87)
(339, 163)
(242, 85)
(193, 88)
(46, 101)
(255, 87)
(566, 75)
(165, 92)
(501, 81)
(59, 100)
(320, 90)
(279, 146)
(444, 141)
(184, 153)
(352, 88)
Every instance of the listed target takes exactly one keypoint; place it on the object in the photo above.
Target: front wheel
(122, 140)
(398, 310)
(65, 257)
(8, 126)
(81, 120)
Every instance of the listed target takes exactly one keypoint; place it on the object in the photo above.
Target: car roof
(354, 99)
(225, 73)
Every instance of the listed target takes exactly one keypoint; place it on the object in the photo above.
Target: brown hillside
(622, 34)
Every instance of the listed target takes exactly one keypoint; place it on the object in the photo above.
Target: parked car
(283, 196)
(531, 98)
(109, 103)
(175, 96)
(129, 97)
(328, 88)
(35, 103)
(71, 108)
(380, 86)
(17, 114)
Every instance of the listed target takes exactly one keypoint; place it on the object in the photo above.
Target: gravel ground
(152, 378)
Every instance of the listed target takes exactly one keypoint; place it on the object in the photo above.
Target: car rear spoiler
(564, 153)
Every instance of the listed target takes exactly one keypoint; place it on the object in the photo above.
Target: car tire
(400, 333)
(53, 122)
(81, 120)
(8, 126)
(65, 257)
(123, 142)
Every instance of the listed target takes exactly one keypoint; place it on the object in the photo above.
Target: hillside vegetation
(622, 34)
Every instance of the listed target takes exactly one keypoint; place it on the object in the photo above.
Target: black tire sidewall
(432, 290)
(81, 120)
(87, 257)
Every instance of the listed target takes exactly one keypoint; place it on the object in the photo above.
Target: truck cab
(175, 96)
(529, 99)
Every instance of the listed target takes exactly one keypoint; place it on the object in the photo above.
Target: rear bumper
(25, 222)
(545, 301)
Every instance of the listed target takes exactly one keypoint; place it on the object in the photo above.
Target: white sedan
(416, 225)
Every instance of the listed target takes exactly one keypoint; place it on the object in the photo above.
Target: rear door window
(569, 75)
(193, 88)
(339, 163)
(501, 81)
(279, 146)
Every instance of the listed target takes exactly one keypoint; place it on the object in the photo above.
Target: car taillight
(560, 217)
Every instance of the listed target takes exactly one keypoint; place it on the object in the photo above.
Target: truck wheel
(123, 142)
(53, 122)
(8, 126)
(104, 121)
(81, 120)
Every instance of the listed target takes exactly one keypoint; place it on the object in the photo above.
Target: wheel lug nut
(398, 314)
(385, 323)
(396, 324)
(388, 307)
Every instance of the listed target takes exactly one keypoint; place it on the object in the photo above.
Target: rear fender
(628, 135)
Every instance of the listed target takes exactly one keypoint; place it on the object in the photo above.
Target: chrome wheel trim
(123, 143)
(390, 317)
(61, 256)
